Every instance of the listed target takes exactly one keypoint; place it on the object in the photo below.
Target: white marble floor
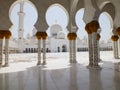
(58, 74)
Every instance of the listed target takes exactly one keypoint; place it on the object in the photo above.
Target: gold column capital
(94, 25)
(41, 35)
(114, 38)
(72, 36)
(118, 31)
(7, 34)
(87, 28)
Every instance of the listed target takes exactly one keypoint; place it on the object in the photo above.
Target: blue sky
(53, 15)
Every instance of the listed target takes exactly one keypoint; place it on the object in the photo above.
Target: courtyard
(59, 74)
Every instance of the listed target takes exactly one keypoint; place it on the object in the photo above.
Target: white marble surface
(58, 74)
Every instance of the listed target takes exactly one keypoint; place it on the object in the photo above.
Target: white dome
(54, 29)
(61, 35)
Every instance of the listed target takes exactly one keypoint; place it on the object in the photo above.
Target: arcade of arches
(93, 10)
(90, 17)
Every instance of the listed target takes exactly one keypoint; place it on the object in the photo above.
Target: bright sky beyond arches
(60, 18)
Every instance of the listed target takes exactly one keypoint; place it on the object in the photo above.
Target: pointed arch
(109, 8)
(77, 5)
(29, 10)
(80, 23)
(61, 7)
(17, 2)
(80, 5)
(106, 25)
(110, 18)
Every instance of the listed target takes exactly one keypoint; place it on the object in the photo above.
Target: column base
(89, 66)
(99, 60)
(70, 61)
(94, 67)
(39, 63)
(6, 65)
(0, 64)
(74, 61)
(97, 67)
(117, 58)
(44, 63)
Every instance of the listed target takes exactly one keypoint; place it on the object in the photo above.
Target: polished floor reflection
(60, 75)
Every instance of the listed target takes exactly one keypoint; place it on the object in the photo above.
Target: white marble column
(119, 46)
(98, 51)
(70, 51)
(39, 52)
(95, 49)
(74, 51)
(6, 52)
(44, 52)
(1, 51)
(90, 48)
(73, 47)
(116, 50)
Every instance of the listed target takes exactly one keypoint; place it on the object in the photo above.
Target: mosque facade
(55, 43)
